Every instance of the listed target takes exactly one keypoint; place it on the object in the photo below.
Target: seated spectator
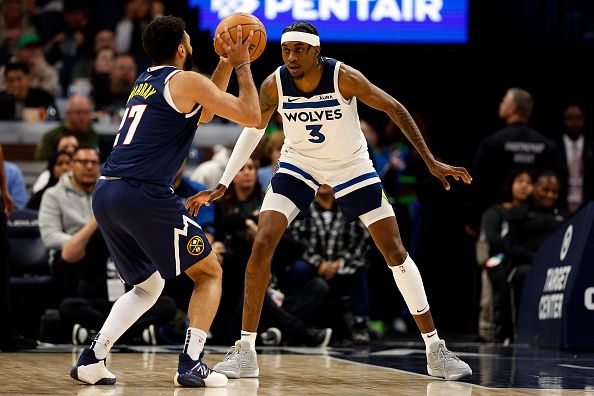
(336, 252)
(99, 76)
(16, 184)
(73, 41)
(529, 225)
(210, 172)
(185, 188)
(10, 339)
(89, 283)
(112, 97)
(236, 215)
(67, 143)
(58, 163)
(495, 320)
(29, 52)
(13, 24)
(77, 123)
(20, 97)
(129, 29)
(104, 38)
(272, 152)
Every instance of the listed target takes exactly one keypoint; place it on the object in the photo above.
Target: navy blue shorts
(147, 229)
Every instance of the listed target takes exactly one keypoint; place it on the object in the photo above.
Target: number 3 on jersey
(134, 112)
(316, 135)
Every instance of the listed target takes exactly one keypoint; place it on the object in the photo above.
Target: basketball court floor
(382, 369)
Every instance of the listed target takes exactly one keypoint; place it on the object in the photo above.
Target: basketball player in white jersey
(317, 98)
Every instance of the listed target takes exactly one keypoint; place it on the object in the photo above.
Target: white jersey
(321, 128)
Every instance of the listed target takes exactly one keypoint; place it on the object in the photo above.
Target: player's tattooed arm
(352, 83)
(268, 99)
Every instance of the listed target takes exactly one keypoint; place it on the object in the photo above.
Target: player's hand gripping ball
(249, 23)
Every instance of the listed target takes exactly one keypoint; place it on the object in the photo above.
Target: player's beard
(189, 62)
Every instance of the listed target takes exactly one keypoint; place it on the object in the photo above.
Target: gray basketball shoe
(443, 363)
(240, 362)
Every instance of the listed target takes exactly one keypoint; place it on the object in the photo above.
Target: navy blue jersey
(154, 137)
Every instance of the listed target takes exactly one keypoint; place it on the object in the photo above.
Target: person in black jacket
(576, 161)
(530, 224)
(516, 145)
(495, 320)
(19, 95)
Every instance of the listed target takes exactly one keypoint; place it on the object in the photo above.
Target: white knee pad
(409, 282)
(152, 287)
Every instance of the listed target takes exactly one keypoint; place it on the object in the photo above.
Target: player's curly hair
(304, 27)
(162, 36)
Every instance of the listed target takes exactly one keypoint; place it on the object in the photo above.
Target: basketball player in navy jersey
(149, 233)
(317, 98)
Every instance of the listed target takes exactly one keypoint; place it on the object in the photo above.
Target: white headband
(302, 37)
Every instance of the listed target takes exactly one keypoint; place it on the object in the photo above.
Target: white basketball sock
(101, 346)
(409, 282)
(195, 339)
(126, 310)
(249, 337)
(430, 338)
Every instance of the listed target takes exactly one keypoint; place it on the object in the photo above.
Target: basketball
(249, 23)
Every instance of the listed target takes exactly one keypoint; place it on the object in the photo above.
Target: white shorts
(356, 185)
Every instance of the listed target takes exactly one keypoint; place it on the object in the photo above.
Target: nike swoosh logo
(431, 335)
(421, 310)
(293, 99)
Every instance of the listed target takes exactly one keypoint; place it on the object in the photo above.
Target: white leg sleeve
(409, 282)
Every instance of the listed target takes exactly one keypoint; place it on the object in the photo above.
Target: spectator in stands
(104, 38)
(67, 143)
(16, 184)
(9, 338)
(210, 172)
(78, 123)
(112, 98)
(495, 320)
(529, 225)
(80, 263)
(29, 52)
(576, 161)
(129, 31)
(516, 145)
(185, 188)
(73, 41)
(236, 215)
(335, 251)
(13, 24)
(272, 151)
(20, 98)
(58, 163)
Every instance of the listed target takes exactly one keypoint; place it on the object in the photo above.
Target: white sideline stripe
(426, 376)
(577, 367)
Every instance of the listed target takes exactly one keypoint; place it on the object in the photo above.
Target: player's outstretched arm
(189, 88)
(246, 143)
(220, 77)
(352, 83)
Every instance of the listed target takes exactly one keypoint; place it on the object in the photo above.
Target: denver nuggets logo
(195, 246)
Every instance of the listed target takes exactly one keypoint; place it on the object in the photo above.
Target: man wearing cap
(324, 144)
(30, 52)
